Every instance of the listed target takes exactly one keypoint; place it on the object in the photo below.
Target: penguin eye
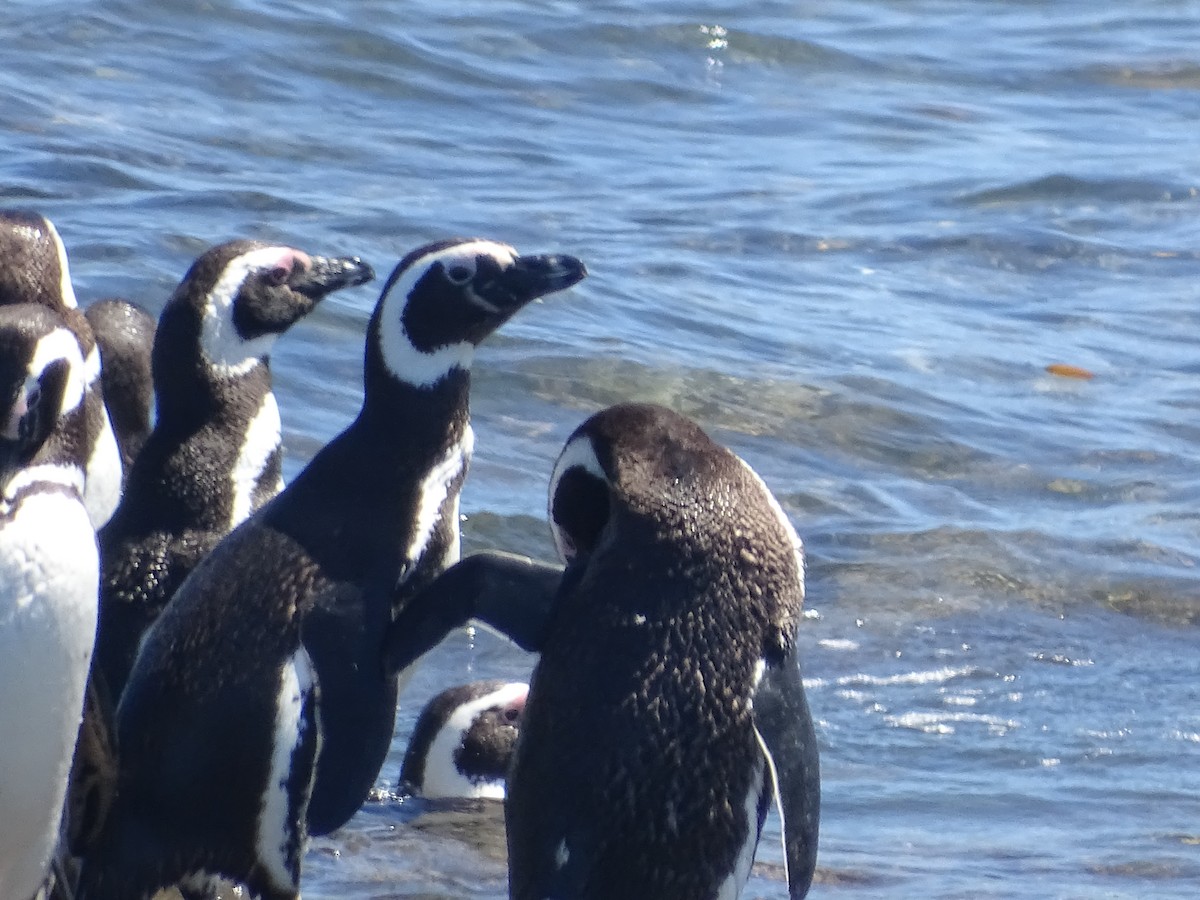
(277, 275)
(460, 273)
(580, 511)
(511, 714)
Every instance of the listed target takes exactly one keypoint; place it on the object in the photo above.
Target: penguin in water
(48, 584)
(463, 741)
(124, 332)
(34, 269)
(258, 710)
(214, 455)
(666, 710)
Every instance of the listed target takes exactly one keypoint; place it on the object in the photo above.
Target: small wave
(944, 723)
(933, 676)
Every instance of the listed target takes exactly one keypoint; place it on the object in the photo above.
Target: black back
(638, 758)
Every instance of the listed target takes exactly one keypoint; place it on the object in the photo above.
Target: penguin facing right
(124, 333)
(463, 741)
(48, 581)
(259, 710)
(214, 455)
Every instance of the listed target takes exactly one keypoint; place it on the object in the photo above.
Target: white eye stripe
(60, 344)
(580, 453)
(222, 346)
(425, 368)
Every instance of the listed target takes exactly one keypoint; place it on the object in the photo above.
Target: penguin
(258, 710)
(34, 269)
(124, 332)
(214, 455)
(49, 568)
(666, 710)
(463, 741)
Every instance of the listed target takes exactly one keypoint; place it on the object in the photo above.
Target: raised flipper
(785, 730)
(509, 593)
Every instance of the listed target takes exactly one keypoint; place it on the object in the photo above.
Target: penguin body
(34, 269)
(48, 584)
(124, 332)
(463, 740)
(666, 710)
(214, 455)
(270, 654)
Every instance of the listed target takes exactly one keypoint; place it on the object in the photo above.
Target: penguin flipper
(509, 593)
(785, 729)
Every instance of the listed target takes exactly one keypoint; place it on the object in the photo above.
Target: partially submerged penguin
(463, 741)
(48, 579)
(258, 710)
(666, 711)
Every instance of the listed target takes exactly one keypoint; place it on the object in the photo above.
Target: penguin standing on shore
(666, 710)
(258, 710)
(34, 269)
(214, 455)
(124, 332)
(48, 581)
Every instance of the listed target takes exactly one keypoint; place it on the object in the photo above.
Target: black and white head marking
(443, 299)
(42, 274)
(45, 382)
(232, 338)
(578, 498)
(463, 741)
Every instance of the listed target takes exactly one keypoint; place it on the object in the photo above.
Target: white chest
(48, 597)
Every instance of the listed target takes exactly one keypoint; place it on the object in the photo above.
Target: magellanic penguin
(258, 709)
(48, 584)
(34, 269)
(214, 455)
(666, 710)
(124, 332)
(463, 740)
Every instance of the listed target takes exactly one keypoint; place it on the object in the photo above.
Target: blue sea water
(847, 236)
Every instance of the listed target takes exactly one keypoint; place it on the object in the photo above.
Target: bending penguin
(124, 332)
(48, 582)
(463, 740)
(666, 711)
(214, 455)
(34, 269)
(270, 654)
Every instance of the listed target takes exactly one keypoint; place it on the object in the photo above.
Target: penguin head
(41, 382)
(238, 297)
(464, 740)
(443, 299)
(33, 262)
(642, 474)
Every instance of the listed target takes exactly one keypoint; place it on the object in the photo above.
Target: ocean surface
(848, 238)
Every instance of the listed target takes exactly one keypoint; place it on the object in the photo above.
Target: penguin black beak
(530, 277)
(329, 274)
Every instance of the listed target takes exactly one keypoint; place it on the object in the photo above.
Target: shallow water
(848, 237)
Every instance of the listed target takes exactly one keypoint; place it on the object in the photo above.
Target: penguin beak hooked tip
(328, 274)
(530, 278)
